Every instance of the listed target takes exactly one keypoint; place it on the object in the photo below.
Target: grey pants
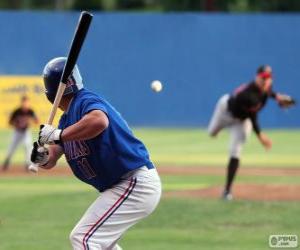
(239, 129)
(17, 138)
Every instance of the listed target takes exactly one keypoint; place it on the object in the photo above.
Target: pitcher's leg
(232, 168)
(220, 117)
(239, 134)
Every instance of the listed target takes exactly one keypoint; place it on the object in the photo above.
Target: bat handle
(34, 168)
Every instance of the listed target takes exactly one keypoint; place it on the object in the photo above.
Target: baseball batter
(20, 120)
(103, 152)
(238, 112)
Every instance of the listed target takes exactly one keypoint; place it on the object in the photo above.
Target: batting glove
(39, 154)
(49, 135)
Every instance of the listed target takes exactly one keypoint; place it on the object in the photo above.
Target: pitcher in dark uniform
(238, 112)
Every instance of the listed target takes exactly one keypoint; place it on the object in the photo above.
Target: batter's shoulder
(87, 100)
(87, 94)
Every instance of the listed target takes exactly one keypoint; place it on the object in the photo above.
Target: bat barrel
(79, 37)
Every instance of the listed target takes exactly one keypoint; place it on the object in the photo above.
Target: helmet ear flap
(74, 83)
(76, 78)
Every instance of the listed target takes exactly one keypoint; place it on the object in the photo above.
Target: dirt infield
(246, 171)
(262, 192)
(169, 170)
(20, 171)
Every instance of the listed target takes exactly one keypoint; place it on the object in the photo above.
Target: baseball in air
(156, 86)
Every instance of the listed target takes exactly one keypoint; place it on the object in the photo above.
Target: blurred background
(157, 5)
(196, 55)
(199, 50)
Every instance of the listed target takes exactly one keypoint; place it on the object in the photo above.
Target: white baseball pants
(239, 129)
(116, 210)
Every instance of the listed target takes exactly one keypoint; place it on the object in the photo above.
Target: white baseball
(156, 86)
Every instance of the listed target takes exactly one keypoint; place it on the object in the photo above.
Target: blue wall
(198, 57)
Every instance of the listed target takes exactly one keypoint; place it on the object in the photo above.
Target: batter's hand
(49, 135)
(39, 154)
(265, 141)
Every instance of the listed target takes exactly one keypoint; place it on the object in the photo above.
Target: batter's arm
(90, 125)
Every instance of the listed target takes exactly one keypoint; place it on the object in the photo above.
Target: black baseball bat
(79, 37)
(77, 42)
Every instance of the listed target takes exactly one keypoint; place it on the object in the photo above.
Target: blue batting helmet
(52, 75)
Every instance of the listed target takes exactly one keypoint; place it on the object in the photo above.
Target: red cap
(265, 75)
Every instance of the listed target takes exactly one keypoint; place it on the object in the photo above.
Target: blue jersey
(103, 160)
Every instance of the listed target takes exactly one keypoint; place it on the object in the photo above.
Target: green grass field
(194, 147)
(37, 213)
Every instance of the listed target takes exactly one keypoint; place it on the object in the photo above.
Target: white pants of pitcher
(116, 210)
(239, 129)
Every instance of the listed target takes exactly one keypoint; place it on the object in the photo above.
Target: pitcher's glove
(285, 101)
(39, 154)
(49, 135)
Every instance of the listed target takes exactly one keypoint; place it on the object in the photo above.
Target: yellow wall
(11, 90)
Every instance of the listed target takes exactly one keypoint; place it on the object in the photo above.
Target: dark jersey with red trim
(20, 119)
(247, 100)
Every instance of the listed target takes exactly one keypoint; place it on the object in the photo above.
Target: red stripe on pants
(106, 213)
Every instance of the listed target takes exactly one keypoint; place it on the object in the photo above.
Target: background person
(20, 120)
(238, 112)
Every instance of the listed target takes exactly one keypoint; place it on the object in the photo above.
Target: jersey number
(86, 168)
